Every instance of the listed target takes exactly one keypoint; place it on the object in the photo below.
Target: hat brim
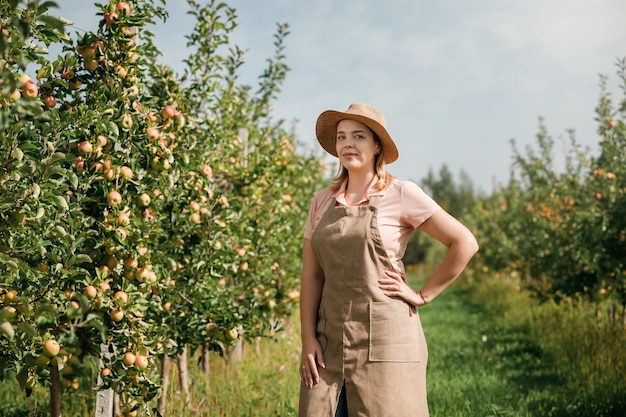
(326, 132)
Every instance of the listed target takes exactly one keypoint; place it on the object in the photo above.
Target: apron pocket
(394, 334)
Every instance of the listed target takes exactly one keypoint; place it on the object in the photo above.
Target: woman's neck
(357, 184)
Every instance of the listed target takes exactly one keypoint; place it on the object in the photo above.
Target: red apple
(121, 296)
(206, 171)
(152, 132)
(131, 263)
(126, 172)
(129, 358)
(90, 291)
(50, 101)
(85, 147)
(123, 7)
(30, 90)
(168, 112)
(114, 198)
(110, 18)
(141, 362)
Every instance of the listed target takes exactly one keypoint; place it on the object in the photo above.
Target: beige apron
(372, 343)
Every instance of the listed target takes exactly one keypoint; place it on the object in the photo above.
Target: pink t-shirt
(402, 208)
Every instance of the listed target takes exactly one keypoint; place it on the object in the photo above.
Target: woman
(363, 348)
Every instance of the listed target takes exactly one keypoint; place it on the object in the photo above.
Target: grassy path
(480, 368)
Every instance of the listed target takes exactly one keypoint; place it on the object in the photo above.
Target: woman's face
(355, 145)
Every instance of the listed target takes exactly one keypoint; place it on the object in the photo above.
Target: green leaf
(60, 202)
(79, 259)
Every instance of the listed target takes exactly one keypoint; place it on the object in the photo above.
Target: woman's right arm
(310, 295)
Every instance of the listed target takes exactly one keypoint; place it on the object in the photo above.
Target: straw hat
(326, 128)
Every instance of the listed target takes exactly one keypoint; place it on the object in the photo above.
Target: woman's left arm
(462, 246)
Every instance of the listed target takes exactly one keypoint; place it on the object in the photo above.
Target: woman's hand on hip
(311, 358)
(393, 285)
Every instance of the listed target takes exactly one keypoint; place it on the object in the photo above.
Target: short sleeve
(417, 206)
(318, 206)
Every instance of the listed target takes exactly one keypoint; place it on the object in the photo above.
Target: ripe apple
(90, 291)
(142, 274)
(108, 174)
(206, 171)
(116, 315)
(79, 164)
(67, 74)
(131, 263)
(110, 18)
(15, 95)
(51, 348)
(121, 71)
(123, 218)
(88, 53)
(129, 359)
(30, 90)
(121, 296)
(85, 147)
(105, 372)
(151, 276)
(168, 112)
(126, 172)
(24, 78)
(91, 64)
(152, 132)
(141, 362)
(114, 198)
(50, 101)
(123, 7)
(195, 218)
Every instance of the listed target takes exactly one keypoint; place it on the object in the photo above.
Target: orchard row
(562, 231)
(140, 211)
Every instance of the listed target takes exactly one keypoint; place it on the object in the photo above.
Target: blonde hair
(384, 178)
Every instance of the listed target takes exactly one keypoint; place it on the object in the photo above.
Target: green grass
(493, 351)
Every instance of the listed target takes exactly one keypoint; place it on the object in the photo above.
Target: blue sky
(456, 79)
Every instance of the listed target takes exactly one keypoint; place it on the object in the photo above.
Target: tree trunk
(612, 314)
(55, 390)
(183, 375)
(236, 352)
(206, 370)
(104, 397)
(165, 382)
